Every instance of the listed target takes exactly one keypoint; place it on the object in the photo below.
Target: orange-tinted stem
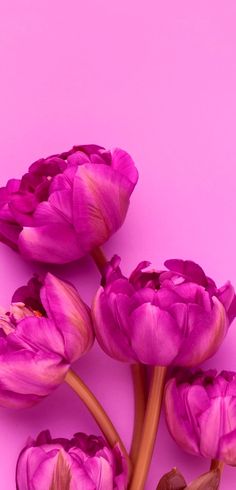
(97, 411)
(139, 384)
(99, 259)
(150, 427)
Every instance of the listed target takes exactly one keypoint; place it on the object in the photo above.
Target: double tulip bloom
(47, 328)
(84, 462)
(201, 413)
(175, 316)
(67, 204)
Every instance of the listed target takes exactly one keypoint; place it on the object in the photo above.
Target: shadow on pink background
(157, 78)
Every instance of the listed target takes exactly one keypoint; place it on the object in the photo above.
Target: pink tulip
(201, 413)
(67, 204)
(174, 316)
(47, 327)
(82, 463)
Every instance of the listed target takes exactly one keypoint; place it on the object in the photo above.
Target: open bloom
(201, 413)
(67, 204)
(47, 327)
(84, 462)
(173, 316)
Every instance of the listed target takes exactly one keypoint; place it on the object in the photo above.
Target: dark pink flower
(67, 204)
(174, 316)
(201, 413)
(84, 462)
(47, 327)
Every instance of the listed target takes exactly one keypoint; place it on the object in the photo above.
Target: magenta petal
(189, 269)
(9, 233)
(100, 472)
(100, 203)
(227, 447)
(178, 421)
(206, 331)
(113, 340)
(70, 314)
(12, 186)
(55, 243)
(11, 399)
(41, 334)
(226, 295)
(123, 163)
(155, 336)
(23, 202)
(29, 373)
(210, 426)
(45, 214)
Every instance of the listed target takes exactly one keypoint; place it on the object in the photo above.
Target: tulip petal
(30, 373)
(189, 269)
(206, 332)
(100, 203)
(178, 420)
(155, 336)
(123, 163)
(9, 233)
(210, 425)
(227, 447)
(100, 473)
(54, 243)
(70, 314)
(226, 295)
(40, 333)
(113, 340)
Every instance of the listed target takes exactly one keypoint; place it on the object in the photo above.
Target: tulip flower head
(47, 327)
(201, 413)
(84, 462)
(175, 316)
(67, 204)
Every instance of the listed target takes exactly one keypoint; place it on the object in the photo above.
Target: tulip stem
(216, 464)
(150, 427)
(138, 375)
(99, 259)
(97, 411)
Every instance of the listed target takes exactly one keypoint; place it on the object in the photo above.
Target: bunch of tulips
(164, 323)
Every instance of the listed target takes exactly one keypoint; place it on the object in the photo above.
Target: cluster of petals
(201, 413)
(67, 204)
(175, 316)
(47, 328)
(84, 462)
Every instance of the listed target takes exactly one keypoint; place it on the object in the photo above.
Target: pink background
(157, 78)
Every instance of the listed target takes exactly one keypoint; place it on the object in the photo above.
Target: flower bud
(173, 480)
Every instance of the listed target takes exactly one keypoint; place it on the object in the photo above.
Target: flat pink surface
(157, 78)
